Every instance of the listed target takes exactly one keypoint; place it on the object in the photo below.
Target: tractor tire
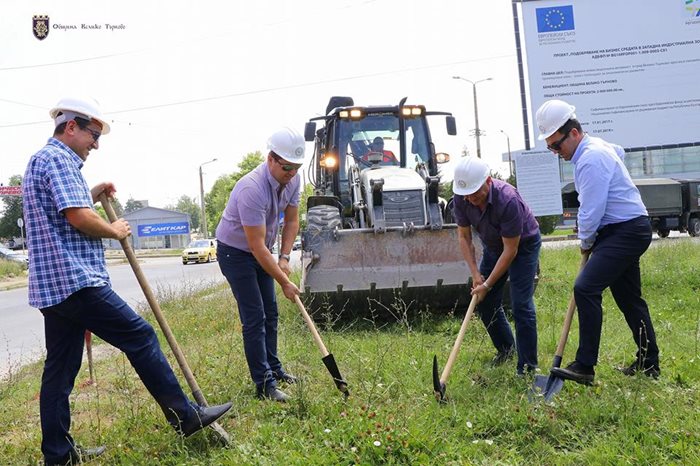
(663, 233)
(694, 227)
(323, 217)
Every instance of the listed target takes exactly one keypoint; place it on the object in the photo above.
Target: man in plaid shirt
(69, 283)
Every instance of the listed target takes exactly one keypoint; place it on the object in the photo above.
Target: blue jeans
(254, 291)
(106, 315)
(614, 263)
(522, 273)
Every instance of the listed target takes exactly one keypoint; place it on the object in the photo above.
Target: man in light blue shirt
(245, 237)
(614, 227)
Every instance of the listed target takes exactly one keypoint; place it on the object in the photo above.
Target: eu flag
(556, 18)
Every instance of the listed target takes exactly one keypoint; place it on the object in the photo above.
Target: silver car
(14, 256)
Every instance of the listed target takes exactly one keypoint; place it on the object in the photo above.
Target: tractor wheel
(694, 226)
(323, 217)
(663, 233)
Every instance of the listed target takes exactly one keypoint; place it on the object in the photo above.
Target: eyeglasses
(288, 167)
(556, 146)
(95, 134)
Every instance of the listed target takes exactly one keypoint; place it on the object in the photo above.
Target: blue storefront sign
(158, 229)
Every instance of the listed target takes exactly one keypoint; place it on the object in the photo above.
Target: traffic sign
(10, 190)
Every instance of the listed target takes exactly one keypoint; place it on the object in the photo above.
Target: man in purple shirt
(511, 244)
(245, 236)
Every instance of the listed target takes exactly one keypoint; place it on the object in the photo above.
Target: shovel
(328, 359)
(155, 307)
(440, 382)
(548, 386)
(88, 347)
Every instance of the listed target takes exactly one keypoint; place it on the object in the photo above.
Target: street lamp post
(201, 197)
(477, 133)
(510, 160)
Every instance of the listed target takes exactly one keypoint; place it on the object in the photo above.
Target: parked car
(200, 250)
(14, 256)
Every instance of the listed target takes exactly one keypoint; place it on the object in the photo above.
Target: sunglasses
(556, 146)
(288, 167)
(95, 134)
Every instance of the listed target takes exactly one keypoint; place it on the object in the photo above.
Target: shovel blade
(438, 387)
(332, 366)
(545, 387)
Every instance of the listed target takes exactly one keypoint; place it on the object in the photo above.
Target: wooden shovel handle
(458, 343)
(311, 326)
(569, 314)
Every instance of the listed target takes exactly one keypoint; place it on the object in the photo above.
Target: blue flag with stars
(556, 18)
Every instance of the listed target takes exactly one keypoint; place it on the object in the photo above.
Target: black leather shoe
(650, 370)
(79, 455)
(273, 393)
(579, 373)
(502, 357)
(285, 377)
(202, 417)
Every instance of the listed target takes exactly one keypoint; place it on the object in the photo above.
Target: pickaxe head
(332, 367)
(438, 387)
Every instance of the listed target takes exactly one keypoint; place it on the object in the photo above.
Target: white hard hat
(551, 116)
(71, 107)
(469, 175)
(288, 144)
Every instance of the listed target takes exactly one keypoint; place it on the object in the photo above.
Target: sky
(184, 82)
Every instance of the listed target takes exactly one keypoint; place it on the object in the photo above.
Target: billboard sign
(630, 69)
(159, 229)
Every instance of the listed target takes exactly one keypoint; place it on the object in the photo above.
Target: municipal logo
(554, 19)
(40, 26)
(692, 8)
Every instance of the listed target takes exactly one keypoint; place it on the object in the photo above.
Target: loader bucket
(344, 272)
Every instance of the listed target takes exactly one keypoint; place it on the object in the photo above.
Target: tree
(12, 211)
(132, 205)
(188, 205)
(307, 191)
(217, 198)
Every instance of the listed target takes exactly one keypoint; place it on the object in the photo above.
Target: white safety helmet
(469, 175)
(288, 144)
(551, 116)
(71, 107)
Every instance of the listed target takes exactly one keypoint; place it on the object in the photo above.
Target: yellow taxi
(199, 250)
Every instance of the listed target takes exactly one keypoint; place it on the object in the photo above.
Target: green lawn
(392, 416)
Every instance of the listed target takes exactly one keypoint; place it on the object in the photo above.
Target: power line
(268, 90)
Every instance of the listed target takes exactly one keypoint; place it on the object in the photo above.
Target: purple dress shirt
(256, 199)
(506, 215)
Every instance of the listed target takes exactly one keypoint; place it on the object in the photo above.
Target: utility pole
(477, 132)
(205, 227)
(510, 160)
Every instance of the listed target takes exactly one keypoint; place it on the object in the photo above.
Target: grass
(11, 269)
(562, 232)
(391, 416)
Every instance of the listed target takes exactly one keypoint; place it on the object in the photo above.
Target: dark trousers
(522, 273)
(614, 263)
(254, 291)
(106, 315)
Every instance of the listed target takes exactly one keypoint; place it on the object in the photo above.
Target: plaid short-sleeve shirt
(62, 260)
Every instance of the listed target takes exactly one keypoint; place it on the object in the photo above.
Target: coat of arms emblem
(40, 26)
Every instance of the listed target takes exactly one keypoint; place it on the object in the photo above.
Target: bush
(547, 223)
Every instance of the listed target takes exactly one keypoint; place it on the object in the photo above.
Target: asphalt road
(22, 327)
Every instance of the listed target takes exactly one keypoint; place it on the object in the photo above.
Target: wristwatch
(284, 256)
